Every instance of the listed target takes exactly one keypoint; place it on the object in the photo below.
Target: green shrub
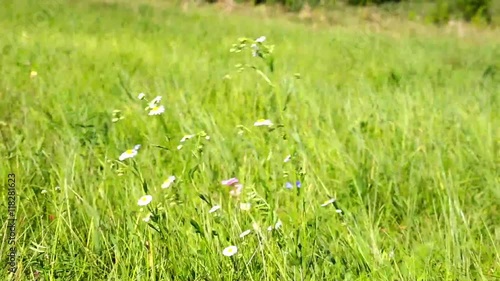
(477, 10)
(441, 13)
(474, 8)
(444, 10)
(292, 5)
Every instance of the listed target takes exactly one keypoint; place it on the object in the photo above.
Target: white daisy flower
(256, 226)
(155, 102)
(128, 154)
(33, 74)
(147, 218)
(157, 110)
(230, 251)
(287, 159)
(255, 50)
(328, 202)
(186, 137)
(207, 137)
(260, 39)
(44, 191)
(263, 122)
(245, 233)
(168, 182)
(236, 191)
(339, 211)
(144, 200)
(270, 228)
(141, 96)
(179, 147)
(278, 224)
(137, 147)
(391, 254)
(245, 206)
(214, 209)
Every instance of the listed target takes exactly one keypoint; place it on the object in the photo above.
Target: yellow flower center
(130, 151)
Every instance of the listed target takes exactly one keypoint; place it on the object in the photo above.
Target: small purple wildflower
(230, 182)
(289, 185)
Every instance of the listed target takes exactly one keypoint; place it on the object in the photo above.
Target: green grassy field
(403, 131)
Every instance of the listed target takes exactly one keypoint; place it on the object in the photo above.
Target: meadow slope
(403, 131)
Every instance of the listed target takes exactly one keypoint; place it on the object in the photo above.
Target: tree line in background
(441, 11)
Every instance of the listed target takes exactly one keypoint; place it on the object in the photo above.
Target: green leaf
(206, 199)
(159, 146)
(196, 227)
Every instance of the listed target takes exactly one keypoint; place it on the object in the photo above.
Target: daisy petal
(186, 137)
(230, 181)
(260, 39)
(245, 233)
(287, 159)
(328, 202)
(155, 102)
(214, 209)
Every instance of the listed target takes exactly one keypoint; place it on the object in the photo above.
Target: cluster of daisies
(155, 108)
(235, 190)
(256, 46)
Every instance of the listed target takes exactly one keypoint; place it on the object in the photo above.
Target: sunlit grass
(363, 156)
